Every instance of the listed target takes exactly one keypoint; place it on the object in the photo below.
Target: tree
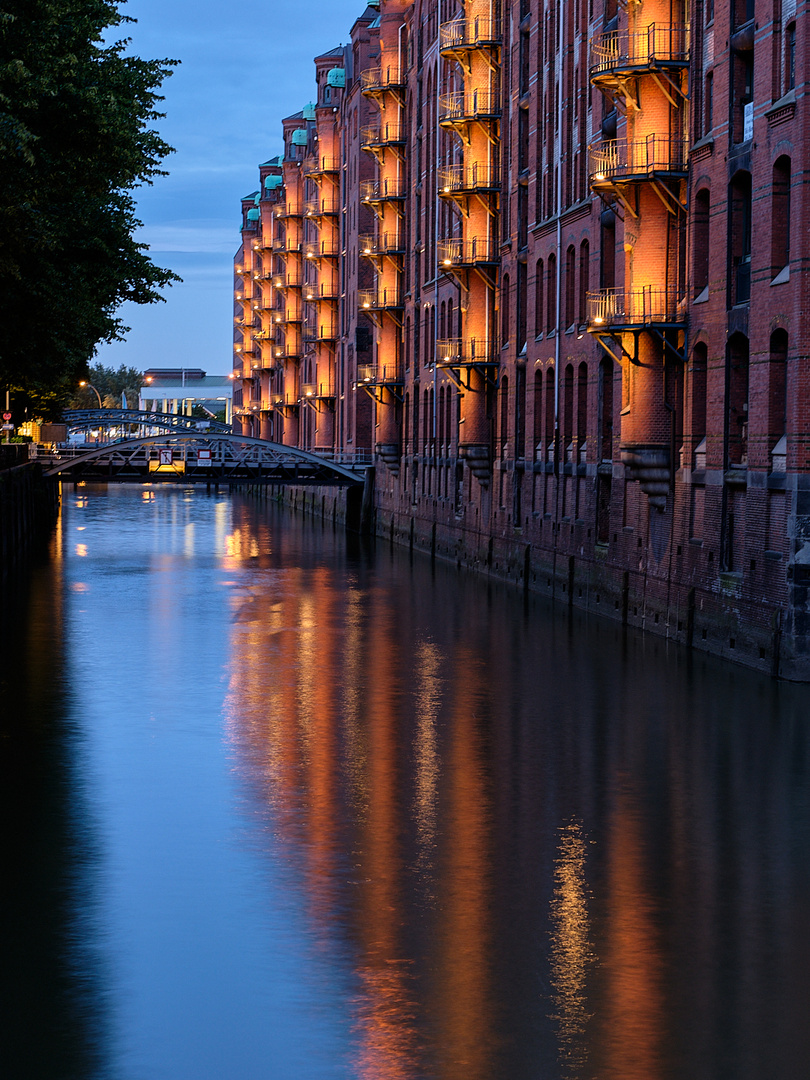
(75, 142)
(111, 384)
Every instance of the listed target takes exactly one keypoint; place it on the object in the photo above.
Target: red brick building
(560, 255)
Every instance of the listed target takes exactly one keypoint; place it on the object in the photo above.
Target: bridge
(199, 457)
(148, 422)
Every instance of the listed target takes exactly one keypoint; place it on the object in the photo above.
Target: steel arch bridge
(87, 419)
(197, 457)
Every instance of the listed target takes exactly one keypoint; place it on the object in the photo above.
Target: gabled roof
(273, 161)
(251, 197)
(337, 51)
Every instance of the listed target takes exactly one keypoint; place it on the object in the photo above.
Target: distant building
(180, 390)
(552, 273)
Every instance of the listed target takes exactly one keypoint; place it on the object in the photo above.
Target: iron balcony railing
(287, 281)
(322, 331)
(387, 77)
(379, 299)
(389, 243)
(464, 105)
(624, 50)
(328, 248)
(378, 374)
(286, 350)
(468, 178)
(618, 160)
(457, 352)
(458, 252)
(285, 210)
(314, 166)
(286, 245)
(321, 389)
(326, 205)
(635, 307)
(480, 31)
(386, 133)
(391, 187)
(321, 290)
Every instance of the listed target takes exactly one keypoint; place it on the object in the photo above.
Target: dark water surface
(279, 805)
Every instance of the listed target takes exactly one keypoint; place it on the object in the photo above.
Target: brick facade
(571, 310)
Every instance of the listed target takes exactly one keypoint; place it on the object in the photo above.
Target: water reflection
(440, 834)
(423, 764)
(571, 950)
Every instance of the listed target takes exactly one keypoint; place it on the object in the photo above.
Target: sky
(242, 69)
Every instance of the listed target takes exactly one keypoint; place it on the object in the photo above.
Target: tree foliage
(111, 384)
(75, 141)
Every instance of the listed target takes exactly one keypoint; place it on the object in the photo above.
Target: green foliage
(75, 142)
(110, 385)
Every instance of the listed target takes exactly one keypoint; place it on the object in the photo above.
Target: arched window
(700, 242)
(740, 238)
(584, 281)
(570, 285)
(442, 322)
(537, 430)
(738, 400)
(777, 387)
(506, 313)
(551, 307)
(568, 410)
(504, 424)
(539, 289)
(441, 420)
(606, 409)
(582, 406)
(780, 216)
(697, 376)
(549, 422)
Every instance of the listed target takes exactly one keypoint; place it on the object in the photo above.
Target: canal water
(281, 805)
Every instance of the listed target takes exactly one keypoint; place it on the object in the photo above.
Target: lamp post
(98, 395)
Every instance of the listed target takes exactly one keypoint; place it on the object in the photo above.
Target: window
(740, 239)
(790, 57)
(570, 285)
(777, 387)
(551, 307)
(700, 242)
(738, 400)
(584, 281)
(539, 288)
(780, 216)
(708, 104)
(506, 313)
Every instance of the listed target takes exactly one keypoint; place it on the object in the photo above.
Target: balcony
(322, 331)
(318, 166)
(288, 350)
(465, 352)
(610, 309)
(283, 210)
(286, 245)
(280, 401)
(385, 244)
(321, 290)
(318, 390)
(373, 191)
(616, 162)
(468, 106)
(379, 375)
(381, 299)
(287, 281)
(326, 206)
(467, 253)
(328, 248)
(624, 53)
(460, 36)
(468, 179)
(378, 136)
(381, 80)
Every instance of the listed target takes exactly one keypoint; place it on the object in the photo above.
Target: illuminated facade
(546, 305)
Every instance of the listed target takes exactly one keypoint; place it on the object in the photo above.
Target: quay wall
(29, 504)
(726, 616)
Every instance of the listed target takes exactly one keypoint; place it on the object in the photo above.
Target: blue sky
(242, 69)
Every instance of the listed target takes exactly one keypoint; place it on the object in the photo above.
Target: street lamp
(98, 395)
